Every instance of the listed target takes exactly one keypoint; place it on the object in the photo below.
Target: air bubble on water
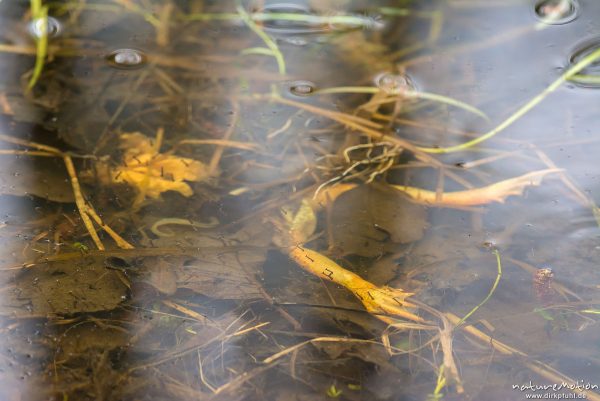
(556, 12)
(127, 59)
(394, 83)
(589, 76)
(36, 27)
(302, 88)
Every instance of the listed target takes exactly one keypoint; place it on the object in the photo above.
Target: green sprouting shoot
(585, 79)
(439, 386)
(272, 48)
(39, 15)
(405, 93)
(490, 293)
(333, 391)
(257, 50)
(83, 248)
(570, 73)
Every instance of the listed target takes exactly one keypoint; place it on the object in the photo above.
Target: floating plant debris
(127, 59)
(589, 77)
(303, 88)
(53, 29)
(542, 285)
(218, 226)
(556, 12)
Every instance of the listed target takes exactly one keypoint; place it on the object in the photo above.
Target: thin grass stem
(276, 53)
(406, 93)
(589, 59)
(490, 293)
(39, 16)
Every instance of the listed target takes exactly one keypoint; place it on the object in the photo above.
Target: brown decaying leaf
(222, 275)
(218, 275)
(162, 275)
(64, 288)
(151, 172)
(44, 177)
(497, 192)
(367, 221)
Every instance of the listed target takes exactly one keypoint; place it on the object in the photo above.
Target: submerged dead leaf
(226, 275)
(64, 288)
(367, 220)
(227, 268)
(82, 340)
(151, 172)
(162, 275)
(44, 177)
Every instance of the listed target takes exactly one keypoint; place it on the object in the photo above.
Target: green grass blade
(590, 58)
(490, 293)
(41, 42)
(406, 93)
(265, 38)
(258, 50)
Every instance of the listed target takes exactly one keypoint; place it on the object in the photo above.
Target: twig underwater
(85, 209)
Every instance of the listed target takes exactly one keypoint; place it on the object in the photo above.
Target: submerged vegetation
(174, 166)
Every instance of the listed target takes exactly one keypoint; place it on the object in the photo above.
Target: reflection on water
(302, 88)
(126, 58)
(52, 27)
(589, 76)
(557, 11)
(286, 201)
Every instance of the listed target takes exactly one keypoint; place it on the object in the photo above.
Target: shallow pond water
(299, 200)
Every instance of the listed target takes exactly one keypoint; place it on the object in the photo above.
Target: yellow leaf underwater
(382, 301)
(497, 192)
(151, 172)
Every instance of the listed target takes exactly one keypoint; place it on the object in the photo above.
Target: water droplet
(127, 59)
(53, 28)
(556, 12)
(303, 88)
(589, 77)
(393, 83)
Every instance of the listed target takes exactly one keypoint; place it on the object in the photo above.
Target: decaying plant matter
(250, 175)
